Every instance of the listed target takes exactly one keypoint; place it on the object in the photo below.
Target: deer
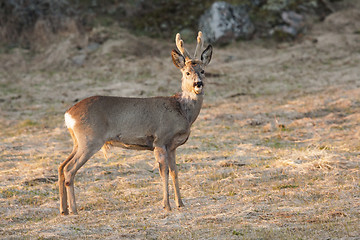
(160, 124)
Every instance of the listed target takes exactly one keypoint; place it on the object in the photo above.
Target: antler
(180, 46)
(184, 52)
(199, 45)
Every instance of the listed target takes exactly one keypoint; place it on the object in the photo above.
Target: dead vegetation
(274, 153)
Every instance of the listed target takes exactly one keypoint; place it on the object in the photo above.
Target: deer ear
(178, 58)
(206, 55)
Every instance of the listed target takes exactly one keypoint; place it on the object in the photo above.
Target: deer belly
(140, 143)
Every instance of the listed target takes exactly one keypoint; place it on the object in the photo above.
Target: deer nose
(198, 84)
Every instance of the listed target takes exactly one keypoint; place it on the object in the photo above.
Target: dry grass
(274, 153)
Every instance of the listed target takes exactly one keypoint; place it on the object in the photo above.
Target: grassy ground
(274, 153)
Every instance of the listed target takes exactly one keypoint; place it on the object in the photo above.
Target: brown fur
(159, 124)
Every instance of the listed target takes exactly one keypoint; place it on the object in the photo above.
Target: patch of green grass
(30, 200)
(324, 147)
(9, 89)
(27, 123)
(21, 127)
(25, 196)
(278, 143)
(341, 128)
(26, 219)
(219, 175)
(210, 143)
(77, 229)
(140, 184)
(283, 128)
(10, 192)
(285, 186)
(231, 193)
(237, 233)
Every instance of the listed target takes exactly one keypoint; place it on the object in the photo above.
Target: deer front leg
(162, 158)
(174, 176)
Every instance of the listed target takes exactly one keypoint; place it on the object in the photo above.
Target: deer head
(192, 69)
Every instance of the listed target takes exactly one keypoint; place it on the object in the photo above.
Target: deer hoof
(167, 208)
(74, 213)
(180, 205)
(64, 213)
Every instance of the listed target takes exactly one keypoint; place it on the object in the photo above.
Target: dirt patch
(274, 153)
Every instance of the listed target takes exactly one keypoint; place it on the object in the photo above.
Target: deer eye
(202, 72)
(187, 73)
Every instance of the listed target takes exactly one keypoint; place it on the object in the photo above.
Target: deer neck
(191, 104)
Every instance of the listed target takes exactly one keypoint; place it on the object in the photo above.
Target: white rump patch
(69, 121)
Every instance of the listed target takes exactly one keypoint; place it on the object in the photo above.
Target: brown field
(274, 153)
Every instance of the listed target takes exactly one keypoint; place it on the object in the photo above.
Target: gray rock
(93, 46)
(293, 19)
(295, 23)
(257, 3)
(223, 23)
(79, 59)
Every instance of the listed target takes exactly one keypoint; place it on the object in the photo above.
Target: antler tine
(180, 46)
(179, 43)
(199, 45)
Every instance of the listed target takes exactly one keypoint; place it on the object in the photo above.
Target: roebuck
(160, 124)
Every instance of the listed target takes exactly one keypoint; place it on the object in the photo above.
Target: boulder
(223, 23)
(294, 24)
(79, 59)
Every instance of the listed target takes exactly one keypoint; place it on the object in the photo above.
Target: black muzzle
(198, 84)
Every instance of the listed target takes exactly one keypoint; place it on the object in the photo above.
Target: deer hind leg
(174, 177)
(83, 154)
(62, 189)
(162, 158)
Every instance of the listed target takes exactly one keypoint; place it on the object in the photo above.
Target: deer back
(142, 122)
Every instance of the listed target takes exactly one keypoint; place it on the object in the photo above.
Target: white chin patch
(198, 90)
